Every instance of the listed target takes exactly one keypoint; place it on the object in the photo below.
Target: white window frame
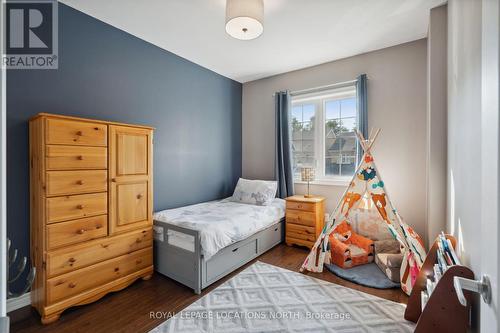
(319, 99)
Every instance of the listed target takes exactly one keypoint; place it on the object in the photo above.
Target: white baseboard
(18, 302)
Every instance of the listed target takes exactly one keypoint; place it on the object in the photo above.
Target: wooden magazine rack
(442, 312)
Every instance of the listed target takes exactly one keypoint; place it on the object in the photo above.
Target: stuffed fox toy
(349, 249)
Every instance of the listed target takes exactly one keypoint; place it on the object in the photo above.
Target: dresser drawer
(76, 158)
(298, 241)
(87, 278)
(76, 231)
(300, 229)
(74, 182)
(83, 255)
(300, 217)
(302, 236)
(71, 132)
(76, 206)
(304, 206)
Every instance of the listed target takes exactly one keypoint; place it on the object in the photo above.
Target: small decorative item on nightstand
(304, 219)
(307, 175)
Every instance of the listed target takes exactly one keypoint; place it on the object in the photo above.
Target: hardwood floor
(129, 310)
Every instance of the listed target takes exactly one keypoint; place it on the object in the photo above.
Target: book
(447, 249)
(430, 284)
(437, 272)
(448, 259)
(424, 297)
(453, 254)
(441, 261)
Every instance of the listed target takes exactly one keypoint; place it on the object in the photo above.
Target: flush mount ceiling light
(244, 18)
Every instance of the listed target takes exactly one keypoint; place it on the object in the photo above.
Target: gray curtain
(283, 163)
(362, 105)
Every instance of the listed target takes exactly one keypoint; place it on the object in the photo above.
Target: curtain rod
(321, 88)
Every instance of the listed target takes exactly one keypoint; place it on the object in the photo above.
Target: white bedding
(220, 223)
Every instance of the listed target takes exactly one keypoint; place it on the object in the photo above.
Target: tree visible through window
(303, 119)
(323, 133)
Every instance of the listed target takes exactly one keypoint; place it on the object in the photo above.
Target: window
(323, 134)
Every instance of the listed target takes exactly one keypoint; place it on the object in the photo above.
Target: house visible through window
(323, 134)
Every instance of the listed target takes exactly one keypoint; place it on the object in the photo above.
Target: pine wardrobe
(91, 209)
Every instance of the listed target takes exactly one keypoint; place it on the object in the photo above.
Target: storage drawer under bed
(270, 237)
(191, 269)
(229, 258)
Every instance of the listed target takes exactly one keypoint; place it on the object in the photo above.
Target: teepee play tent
(367, 184)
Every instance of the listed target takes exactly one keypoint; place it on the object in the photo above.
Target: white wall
(464, 127)
(464, 133)
(473, 145)
(490, 151)
(396, 103)
(436, 121)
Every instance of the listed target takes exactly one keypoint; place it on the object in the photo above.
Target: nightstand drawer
(304, 206)
(300, 229)
(305, 237)
(300, 217)
(297, 241)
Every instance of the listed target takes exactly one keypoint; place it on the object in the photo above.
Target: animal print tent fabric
(368, 185)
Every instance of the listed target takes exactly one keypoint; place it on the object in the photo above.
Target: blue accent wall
(105, 73)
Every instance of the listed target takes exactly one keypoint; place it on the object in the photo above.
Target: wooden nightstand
(304, 219)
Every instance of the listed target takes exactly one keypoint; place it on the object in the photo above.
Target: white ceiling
(297, 33)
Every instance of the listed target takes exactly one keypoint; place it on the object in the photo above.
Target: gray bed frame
(191, 268)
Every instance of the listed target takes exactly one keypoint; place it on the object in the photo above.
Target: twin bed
(199, 244)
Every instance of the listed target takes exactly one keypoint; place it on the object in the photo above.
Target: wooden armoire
(91, 185)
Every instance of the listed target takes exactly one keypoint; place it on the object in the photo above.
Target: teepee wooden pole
(370, 135)
(372, 141)
(362, 140)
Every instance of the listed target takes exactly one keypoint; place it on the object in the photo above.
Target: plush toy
(349, 249)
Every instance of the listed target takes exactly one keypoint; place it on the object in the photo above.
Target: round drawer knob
(71, 260)
(79, 157)
(79, 182)
(79, 206)
(139, 196)
(138, 240)
(79, 133)
(138, 261)
(117, 269)
(81, 231)
(72, 285)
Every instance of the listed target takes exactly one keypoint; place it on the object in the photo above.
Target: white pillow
(255, 192)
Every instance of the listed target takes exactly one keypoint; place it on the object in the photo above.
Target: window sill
(327, 182)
